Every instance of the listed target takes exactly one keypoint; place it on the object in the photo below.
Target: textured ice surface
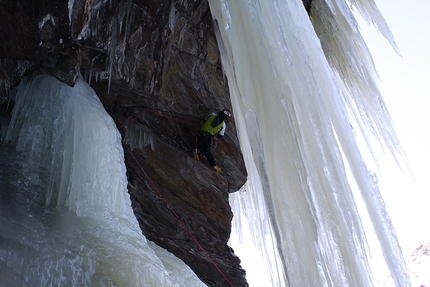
(65, 213)
(292, 103)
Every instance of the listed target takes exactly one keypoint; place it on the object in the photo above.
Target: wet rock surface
(159, 60)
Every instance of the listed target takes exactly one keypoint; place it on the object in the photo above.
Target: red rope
(158, 114)
(162, 197)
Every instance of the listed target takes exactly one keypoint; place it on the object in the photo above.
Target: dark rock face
(160, 60)
(308, 5)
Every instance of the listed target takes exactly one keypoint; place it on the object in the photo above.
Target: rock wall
(159, 60)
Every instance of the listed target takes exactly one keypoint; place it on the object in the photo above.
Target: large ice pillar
(65, 213)
(299, 147)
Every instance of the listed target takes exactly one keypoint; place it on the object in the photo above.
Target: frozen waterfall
(56, 222)
(299, 102)
(301, 95)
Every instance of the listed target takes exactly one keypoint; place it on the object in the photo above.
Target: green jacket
(214, 125)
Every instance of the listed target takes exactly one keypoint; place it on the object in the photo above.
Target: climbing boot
(217, 169)
(196, 155)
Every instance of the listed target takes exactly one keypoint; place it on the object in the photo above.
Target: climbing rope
(161, 195)
(158, 114)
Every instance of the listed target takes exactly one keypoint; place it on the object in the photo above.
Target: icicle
(172, 17)
(91, 72)
(112, 48)
(372, 15)
(138, 137)
(348, 55)
(70, 6)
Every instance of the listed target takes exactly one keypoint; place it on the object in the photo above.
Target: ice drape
(65, 213)
(292, 103)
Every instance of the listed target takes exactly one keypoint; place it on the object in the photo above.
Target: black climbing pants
(204, 144)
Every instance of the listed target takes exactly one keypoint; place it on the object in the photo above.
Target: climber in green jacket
(214, 124)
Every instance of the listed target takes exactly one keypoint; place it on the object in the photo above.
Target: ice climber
(214, 124)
